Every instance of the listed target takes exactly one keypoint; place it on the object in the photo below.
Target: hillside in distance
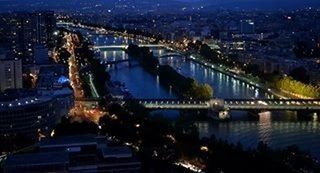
(159, 5)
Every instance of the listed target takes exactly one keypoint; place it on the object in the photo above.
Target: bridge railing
(273, 102)
(126, 45)
(237, 104)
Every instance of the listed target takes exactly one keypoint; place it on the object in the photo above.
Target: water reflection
(276, 134)
(265, 126)
(113, 55)
(278, 129)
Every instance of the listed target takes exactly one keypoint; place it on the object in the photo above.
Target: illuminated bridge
(172, 54)
(233, 104)
(129, 60)
(225, 104)
(117, 61)
(124, 46)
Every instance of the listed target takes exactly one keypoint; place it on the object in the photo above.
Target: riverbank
(186, 87)
(278, 93)
(237, 76)
(120, 126)
(274, 83)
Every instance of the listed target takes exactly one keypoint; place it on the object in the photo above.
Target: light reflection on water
(274, 128)
(113, 55)
(277, 129)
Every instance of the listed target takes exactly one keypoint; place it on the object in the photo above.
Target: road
(80, 111)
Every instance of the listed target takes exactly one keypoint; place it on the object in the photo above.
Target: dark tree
(206, 51)
(66, 127)
(13, 142)
(253, 69)
(300, 74)
(27, 81)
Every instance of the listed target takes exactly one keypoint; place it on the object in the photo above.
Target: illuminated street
(177, 86)
(81, 111)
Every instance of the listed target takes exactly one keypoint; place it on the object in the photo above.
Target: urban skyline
(145, 4)
(159, 86)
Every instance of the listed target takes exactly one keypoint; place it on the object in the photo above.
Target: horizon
(269, 5)
(160, 86)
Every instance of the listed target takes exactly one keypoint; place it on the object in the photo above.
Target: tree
(66, 127)
(27, 80)
(63, 55)
(300, 74)
(206, 51)
(187, 135)
(198, 44)
(13, 142)
(299, 49)
(201, 92)
(288, 84)
(253, 69)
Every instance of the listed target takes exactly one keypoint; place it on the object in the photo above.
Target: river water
(278, 129)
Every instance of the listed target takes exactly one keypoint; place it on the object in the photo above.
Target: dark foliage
(300, 74)
(66, 127)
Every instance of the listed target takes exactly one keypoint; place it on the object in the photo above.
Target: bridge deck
(266, 104)
(125, 46)
(236, 104)
(128, 60)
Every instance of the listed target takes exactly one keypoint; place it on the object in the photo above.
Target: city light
(166, 86)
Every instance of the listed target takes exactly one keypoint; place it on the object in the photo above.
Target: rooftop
(22, 102)
(116, 152)
(69, 141)
(37, 159)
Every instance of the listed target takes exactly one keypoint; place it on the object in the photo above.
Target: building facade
(10, 74)
(23, 30)
(30, 112)
(247, 27)
(82, 153)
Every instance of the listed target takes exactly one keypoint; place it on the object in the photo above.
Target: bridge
(233, 104)
(115, 62)
(224, 105)
(125, 46)
(227, 104)
(172, 54)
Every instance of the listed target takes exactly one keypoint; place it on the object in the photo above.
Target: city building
(23, 30)
(28, 112)
(52, 77)
(10, 72)
(45, 23)
(83, 153)
(247, 27)
(315, 77)
(41, 54)
(22, 36)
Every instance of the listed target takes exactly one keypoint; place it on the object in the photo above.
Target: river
(278, 129)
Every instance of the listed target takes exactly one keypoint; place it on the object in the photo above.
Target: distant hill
(263, 4)
(10, 5)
